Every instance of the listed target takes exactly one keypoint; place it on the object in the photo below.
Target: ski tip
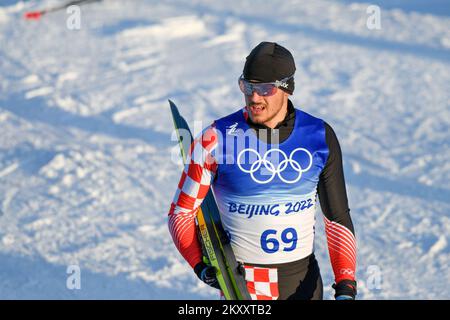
(33, 15)
(173, 107)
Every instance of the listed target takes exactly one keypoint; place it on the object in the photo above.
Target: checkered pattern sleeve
(195, 181)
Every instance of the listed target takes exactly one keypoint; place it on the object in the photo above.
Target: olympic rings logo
(346, 271)
(275, 170)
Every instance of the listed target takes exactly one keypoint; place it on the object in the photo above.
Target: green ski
(215, 241)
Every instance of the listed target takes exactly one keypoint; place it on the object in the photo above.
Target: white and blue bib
(266, 193)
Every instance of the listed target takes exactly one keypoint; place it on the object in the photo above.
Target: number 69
(272, 245)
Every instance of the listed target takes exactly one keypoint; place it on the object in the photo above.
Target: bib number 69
(271, 244)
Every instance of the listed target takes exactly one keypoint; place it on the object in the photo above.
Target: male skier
(266, 163)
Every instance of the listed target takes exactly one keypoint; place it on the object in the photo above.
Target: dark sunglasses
(262, 88)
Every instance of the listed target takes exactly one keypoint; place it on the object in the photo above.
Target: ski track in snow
(85, 147)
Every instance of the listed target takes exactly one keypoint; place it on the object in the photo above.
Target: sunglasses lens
(262, 89)
(265, 89)
(243, 85)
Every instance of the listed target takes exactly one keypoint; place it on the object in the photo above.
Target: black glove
(345, 290)
(207, 274)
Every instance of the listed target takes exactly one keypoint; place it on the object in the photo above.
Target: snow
(86, 170)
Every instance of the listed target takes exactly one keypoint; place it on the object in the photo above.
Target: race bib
(270, 232)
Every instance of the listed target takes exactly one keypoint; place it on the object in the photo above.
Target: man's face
(267, 110)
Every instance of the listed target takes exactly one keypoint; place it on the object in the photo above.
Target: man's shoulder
(237, 116)
(309, 118)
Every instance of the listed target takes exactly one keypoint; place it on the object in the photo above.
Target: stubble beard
(261, 120)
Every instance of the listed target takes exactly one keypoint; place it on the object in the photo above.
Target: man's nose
(255, 96)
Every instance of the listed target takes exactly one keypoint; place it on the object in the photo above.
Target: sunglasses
(264, 89)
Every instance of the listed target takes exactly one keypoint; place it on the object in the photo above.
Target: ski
(230, 273)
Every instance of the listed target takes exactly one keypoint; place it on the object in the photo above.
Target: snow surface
(86, 176)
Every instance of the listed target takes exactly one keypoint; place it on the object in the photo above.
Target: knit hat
(269, 62)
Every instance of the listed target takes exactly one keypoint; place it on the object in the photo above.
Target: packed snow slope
(86, 148)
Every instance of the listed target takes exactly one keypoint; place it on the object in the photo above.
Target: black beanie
(269, 62)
